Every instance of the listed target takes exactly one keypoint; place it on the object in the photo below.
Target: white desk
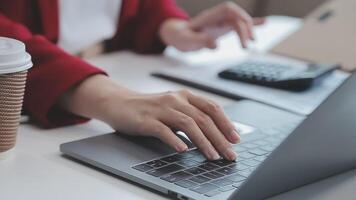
(36, 169)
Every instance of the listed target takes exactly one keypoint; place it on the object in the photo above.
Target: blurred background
(295, 8)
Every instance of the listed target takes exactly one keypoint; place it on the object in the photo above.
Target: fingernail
(213, 155)
(230, 154)
(181, 147)
(235, 136)
(212, 45)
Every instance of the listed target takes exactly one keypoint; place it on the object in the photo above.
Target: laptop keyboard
(210, 178)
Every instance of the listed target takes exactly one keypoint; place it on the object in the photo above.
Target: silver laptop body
(279, 151)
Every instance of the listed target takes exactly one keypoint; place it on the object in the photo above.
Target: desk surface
(37, 170)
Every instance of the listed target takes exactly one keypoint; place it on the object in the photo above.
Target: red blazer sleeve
(139, 25)
(54, 72)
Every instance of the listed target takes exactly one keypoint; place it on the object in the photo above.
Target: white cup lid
(13, 56)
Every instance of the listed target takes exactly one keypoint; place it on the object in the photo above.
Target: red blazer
(36, 23)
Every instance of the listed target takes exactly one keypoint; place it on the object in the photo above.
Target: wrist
(170, 30)
(112, 102)
(95, 97)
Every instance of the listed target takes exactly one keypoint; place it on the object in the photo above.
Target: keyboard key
(208, 166)
(227, 188)
(204, 188)
(246, 155)
(236, 178)
(239, 166)
(251, 163)
(268, 148)
(199, 158)
(213, 175)
(142, 167)
(222, 182)
(171, 159)
(184, 155)
(176, 176)
(250, 145)
(186, 183)
(200, 179)
(260, 158)
(222, 162)
(239, 148)
(272, 131)
(273, 140)
(245, 173)
(194, 152)
(156, 163)
(213, 193)
(258, 152)
(188, 163)
(165, 170)
(195, 171)
(237, 185)
(260, 70)
(227, 170)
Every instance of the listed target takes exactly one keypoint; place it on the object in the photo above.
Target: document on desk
(303, 103)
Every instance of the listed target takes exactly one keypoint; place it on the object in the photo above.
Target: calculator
(278, 75)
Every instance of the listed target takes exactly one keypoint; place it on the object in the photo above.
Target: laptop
(279, 151)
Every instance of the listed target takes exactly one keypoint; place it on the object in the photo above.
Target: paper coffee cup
(14, 63)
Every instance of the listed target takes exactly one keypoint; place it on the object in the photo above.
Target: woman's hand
(156, 115)
(203, 30)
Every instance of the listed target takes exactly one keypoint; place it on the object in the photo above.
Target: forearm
(92, 98)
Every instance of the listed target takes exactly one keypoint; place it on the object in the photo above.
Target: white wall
(194, 6)
(297, 8)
